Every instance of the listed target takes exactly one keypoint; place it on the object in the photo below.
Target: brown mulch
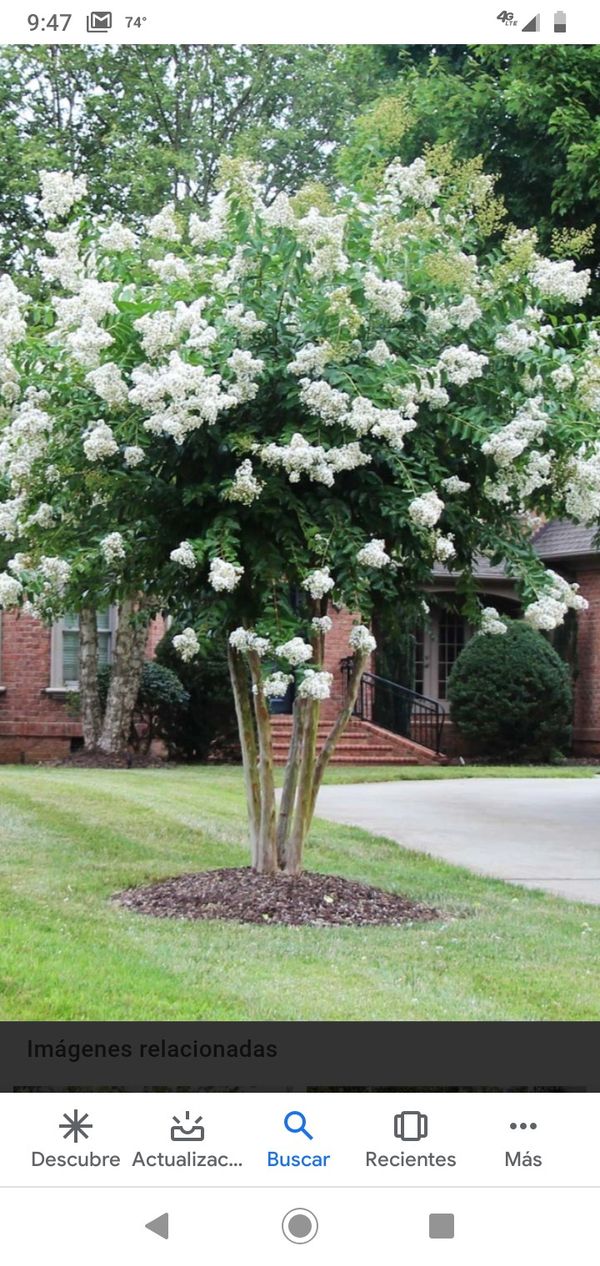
(102, 760)
(242, 896)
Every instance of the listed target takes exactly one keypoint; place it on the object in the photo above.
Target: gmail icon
(99, 21)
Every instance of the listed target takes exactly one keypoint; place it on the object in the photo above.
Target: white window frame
(57, 685)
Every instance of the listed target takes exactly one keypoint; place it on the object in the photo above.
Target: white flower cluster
(170, 268)
(56, 573)
(60, 191)
(461, 364)
(164, 225)
(10, 513)
(276, 685)
(557, 279)
(113, 548)
(373, 555)
(42, 517)
(133, 456)
(109, 384)
(64, 267)
(462, 315)
(329, 404)
(323, 236)
(311, 359)
(315, 685)
(410, 184)
(380, 354)
(319, 582)
(529, 422)
(244, 320)
(445, 548)
(211, 230)
(186, 645)
(280, 213)
(11, 590)
(245, 487)
(517, 339)
(387, 297)
(296, 651)
(224, 576)
(12, 325)
(183, 555)
(180, 397)
(242, 639)
(94, 301)
(534, 474)
(319, 464)
(246, 369)
(117, 237)
(552, 605)
(361, 640)
(99, 442)
(453, 485)
(24, 441)
(426, 509)
(492, 622)
(87, 342)
(563, 377)
(582, 500)
(322, 624)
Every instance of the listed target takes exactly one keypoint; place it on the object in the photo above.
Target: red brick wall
(586, 732)
(33, 724)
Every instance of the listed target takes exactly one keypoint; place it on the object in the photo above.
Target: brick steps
(361, 744)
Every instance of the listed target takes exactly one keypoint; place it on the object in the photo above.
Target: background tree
(148, 123)
(251, 414)
(531, 112)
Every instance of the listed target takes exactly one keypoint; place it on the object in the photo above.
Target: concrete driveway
(539, 832)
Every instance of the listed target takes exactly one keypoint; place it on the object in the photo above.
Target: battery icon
(410, 1126)
(560, 22)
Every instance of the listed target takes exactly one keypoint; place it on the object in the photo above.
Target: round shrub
(161, 705)
(511, 695)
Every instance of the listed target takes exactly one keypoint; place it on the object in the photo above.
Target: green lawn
(423, 773)
(71, 838)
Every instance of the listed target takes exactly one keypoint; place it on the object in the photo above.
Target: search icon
(300, 1128)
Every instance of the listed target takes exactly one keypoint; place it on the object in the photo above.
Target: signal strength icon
(534, 25)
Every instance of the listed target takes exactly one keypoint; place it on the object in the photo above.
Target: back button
(160, 1226)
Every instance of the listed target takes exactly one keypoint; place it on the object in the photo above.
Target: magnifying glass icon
(295, 1122)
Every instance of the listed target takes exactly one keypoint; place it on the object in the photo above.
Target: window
(65, 648)
(451, 639)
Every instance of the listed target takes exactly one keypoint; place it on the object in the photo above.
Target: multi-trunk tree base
(278, 836)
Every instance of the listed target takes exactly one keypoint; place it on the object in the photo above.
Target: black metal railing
(396, 708)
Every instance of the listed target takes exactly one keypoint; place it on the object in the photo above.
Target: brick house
(38, 668)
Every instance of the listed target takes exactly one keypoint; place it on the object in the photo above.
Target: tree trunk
(337, 729)
(125, 677)
(247, 733)
(266, 861)
(290, 783)
(295, 846)
(91, 713)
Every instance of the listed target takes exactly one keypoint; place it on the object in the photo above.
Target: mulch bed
(101, 760)
(242, 896)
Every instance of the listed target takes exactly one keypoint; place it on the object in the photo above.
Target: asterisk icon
(76, 1125)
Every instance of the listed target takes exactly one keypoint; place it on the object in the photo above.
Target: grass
(441, 773)
(71, 838)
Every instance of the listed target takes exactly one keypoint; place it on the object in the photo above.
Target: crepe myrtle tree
(275, 408)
